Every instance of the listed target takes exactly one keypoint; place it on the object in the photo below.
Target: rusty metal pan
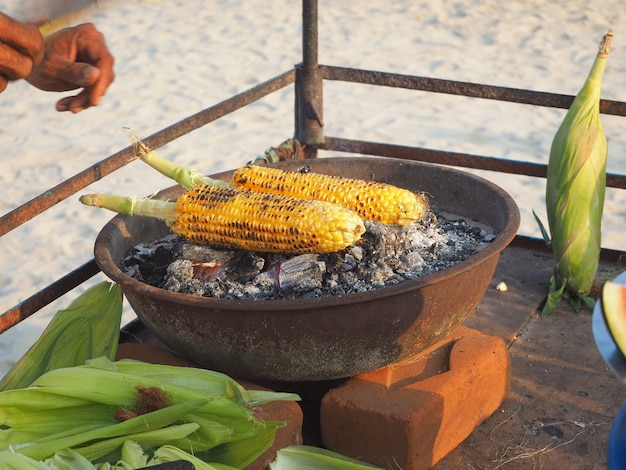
(323, 338)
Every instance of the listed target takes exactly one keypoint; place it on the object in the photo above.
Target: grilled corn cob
(229, 218)
(370, 199)
(575, 188)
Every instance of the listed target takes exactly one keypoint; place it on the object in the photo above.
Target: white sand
(176, 57)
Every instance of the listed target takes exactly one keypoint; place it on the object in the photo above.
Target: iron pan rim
(105, 262)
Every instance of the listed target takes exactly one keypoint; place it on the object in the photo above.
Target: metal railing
(308, 78)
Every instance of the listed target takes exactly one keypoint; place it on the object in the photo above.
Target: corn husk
(575, 189)
(307, 457)
(87, 329)
(95, 409)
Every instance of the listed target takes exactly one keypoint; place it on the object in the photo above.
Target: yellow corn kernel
(264, 222)
(370, 199)
(229, 218)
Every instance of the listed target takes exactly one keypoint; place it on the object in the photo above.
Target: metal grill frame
(308, 79)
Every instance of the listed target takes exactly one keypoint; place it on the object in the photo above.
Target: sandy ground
(176, 57)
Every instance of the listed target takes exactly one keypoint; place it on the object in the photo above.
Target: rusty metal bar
(67, 188)
(442, 157)
(36, 302)
(473, 90)
(71, 186)
(221, 109)
(309, 115)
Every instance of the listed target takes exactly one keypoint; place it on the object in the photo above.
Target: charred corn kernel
(370, 199)
(264, 222)
(229, 218)
(575, 189)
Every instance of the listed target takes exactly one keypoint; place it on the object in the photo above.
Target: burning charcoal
(248, 291)
(205, 254)
(215, 289)
(378, 274)
(266, 281)
(387, 239)
(243, 267)
(385, 255)
(375, 237)
(145, 251)
(208, 263)
(349, 263)
(206, 272)
(173, 284)
(490, 237)
(301, 273)
(335, 261)
(195, 287)
(179, 274)
(412, 265)
(181, 270)
(356, 252)
(151, 271)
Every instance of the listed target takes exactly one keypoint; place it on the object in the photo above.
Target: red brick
(288, 411)
(411, 414)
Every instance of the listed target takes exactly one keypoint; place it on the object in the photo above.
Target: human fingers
(76, 57)
(93, 51)
(74, 104)
(21, 48)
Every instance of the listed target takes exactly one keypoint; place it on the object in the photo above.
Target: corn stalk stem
(186, 177)
(131, 205)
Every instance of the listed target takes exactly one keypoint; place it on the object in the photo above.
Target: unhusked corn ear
(575, 190)
(372, 200)
(93, 318)
(264, 222)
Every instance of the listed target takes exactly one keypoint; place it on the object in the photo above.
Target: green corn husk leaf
(209, 434)
(15, 437)
(12, 461)
(133, 454)
(146, 422)
(242, 452)
(29, 414)
(35, 400)
(103, 385)
(169, 453)
(57, 419)
(68, 459)
(313, 458)
(208, 381)
(88, 328)
(261, 397)
(110, 449)
(575, 188)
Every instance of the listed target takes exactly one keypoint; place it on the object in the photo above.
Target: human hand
(75, 57)
(21, 48)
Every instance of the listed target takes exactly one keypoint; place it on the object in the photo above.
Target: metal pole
(309, 103)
